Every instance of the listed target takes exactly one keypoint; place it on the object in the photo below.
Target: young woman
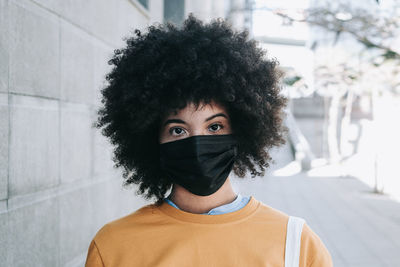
(184, 107)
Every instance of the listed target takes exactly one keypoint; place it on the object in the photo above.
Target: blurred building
(370, 142)
(366, 146)
(289, 43)
(57, 181)
(237, 12)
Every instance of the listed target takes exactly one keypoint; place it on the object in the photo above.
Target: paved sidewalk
(358, 227)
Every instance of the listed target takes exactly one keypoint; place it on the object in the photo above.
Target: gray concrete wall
(57, 182)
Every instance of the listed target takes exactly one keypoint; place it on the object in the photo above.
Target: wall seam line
(111, 45)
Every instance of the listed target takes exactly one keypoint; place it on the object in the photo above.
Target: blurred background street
(358, 226)
(338, 170)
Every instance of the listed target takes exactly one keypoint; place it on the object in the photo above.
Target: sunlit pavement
(359, 227)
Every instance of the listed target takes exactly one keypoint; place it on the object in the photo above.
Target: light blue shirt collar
(235, 205)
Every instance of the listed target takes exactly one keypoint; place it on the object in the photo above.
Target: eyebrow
(216, 115)
(183, 122)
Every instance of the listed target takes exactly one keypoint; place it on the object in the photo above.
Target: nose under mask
(200, 164)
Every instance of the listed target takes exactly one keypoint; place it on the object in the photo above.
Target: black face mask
(200, 164)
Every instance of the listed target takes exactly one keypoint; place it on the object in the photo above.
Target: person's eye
(215, 127)
(176, 131)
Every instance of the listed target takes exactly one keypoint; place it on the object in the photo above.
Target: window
(174, 11)
(144, 3)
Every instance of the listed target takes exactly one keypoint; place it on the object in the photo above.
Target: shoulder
(273, 215)
(313, 251)
(116, 230)
(271, 222)
(115, 237)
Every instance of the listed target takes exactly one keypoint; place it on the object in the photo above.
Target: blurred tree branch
(377, 30)
(370, 29)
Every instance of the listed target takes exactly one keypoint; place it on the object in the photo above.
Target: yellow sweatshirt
(165, 236)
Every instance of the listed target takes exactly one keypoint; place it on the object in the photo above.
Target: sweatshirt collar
(234, 216)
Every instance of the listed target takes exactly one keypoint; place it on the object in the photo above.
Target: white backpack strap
(293, 240)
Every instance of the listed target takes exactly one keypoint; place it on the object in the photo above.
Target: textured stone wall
(57, 181)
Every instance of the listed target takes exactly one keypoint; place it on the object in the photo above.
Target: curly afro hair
(170, 66)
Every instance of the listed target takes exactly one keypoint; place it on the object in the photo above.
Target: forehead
(202, 110)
